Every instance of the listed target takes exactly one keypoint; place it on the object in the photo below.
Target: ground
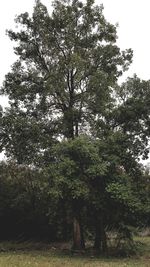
(29, 254)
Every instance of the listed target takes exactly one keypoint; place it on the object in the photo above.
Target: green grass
(39, 255)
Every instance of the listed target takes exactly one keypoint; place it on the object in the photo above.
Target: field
(41, 255)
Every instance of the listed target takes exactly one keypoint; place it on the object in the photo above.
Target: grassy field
(38, 255)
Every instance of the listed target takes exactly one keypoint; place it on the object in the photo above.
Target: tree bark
(78, 237)
(100, 243)
(97, 242)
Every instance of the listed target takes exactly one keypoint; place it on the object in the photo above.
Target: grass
(40, 255)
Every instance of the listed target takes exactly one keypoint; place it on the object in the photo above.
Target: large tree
(61, 84)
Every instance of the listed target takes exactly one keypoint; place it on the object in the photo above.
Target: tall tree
(68, 62)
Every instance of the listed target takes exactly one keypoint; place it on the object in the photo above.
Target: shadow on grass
(61, 250)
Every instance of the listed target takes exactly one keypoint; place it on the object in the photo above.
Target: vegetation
(73, 136)
(37, 255)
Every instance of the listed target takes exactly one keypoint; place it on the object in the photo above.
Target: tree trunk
(104, 241)
(78, 238)
(97, 242)
(100, 243)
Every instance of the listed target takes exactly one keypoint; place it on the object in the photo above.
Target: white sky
(133, 17)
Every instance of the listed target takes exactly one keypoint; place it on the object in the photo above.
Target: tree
(24, 202)
(132, 115)
(77, 165)
(68, 63)
(125, 135)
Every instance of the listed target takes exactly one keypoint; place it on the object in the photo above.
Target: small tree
(76, 167)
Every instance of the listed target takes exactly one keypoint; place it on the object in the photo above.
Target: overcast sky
(133, 17)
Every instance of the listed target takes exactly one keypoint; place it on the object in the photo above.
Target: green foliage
(76, 163)
(67, 62)
(24, 203)
(132, 114)
(76, 135)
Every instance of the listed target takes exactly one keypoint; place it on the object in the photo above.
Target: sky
(133, 17)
